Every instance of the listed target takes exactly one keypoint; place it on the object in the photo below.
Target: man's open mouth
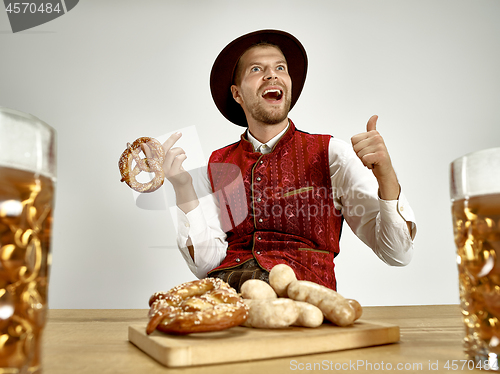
(273, 94)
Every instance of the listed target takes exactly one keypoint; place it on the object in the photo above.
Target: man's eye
(280, 68)
(255, 68)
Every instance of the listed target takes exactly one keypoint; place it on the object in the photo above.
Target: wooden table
(95, 341)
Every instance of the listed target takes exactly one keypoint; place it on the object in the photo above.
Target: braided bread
(153, 164)
(208, 304)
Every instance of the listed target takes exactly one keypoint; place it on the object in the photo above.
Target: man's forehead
(253, 53)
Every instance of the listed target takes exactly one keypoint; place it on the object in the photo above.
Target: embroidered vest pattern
(278, 207)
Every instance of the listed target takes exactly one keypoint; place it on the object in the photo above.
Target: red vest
(278, 207)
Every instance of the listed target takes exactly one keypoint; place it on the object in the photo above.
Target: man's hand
(181, 180)
(172, 166)
(371, 150)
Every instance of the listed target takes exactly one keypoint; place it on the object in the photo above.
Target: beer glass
(27, 179)
(475, 196)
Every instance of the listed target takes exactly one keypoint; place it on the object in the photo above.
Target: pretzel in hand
(208, 304)
(152, 164)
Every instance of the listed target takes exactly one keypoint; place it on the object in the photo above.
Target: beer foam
(475, 174)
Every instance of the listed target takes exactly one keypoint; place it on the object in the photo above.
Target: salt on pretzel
(208, 304)
(152, 164)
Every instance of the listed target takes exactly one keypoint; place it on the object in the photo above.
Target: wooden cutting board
(243, 343)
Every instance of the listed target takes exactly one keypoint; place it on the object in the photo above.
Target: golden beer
(25, 220)
(476, 222)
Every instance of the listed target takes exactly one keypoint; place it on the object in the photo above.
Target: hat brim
(221, 76)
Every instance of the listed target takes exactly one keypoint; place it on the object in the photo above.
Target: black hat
(221, 77)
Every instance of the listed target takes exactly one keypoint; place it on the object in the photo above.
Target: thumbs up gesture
(371, 150)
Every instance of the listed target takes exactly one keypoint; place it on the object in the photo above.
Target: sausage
(358, 309)
(280, 277)
(257, 289)
(269, 313)
(309, 315)
(311, 302)
(333, 305)
(282, 312)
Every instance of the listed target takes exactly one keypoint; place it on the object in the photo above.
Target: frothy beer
(25, 220)
(477, 236)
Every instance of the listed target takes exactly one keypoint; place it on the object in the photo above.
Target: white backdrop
(109, 72)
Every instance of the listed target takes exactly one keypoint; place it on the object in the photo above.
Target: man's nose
(270, 74)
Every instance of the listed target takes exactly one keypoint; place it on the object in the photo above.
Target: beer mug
(27, 181)
(475, 196)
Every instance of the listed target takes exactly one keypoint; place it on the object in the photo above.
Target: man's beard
(270, 116)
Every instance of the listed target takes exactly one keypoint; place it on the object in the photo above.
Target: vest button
(259, 238)
(258, 253)
(237, 260)
(259, 199)
(259, 179)
(261, 220)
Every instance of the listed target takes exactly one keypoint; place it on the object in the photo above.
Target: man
(280, 195)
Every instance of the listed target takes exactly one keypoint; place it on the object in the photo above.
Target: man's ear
(236, 94)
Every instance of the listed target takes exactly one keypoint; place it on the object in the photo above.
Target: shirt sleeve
(201, 228)
(380, 224)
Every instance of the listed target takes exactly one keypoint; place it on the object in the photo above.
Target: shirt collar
(265, 148)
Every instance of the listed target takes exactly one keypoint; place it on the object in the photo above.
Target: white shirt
(380, 224)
